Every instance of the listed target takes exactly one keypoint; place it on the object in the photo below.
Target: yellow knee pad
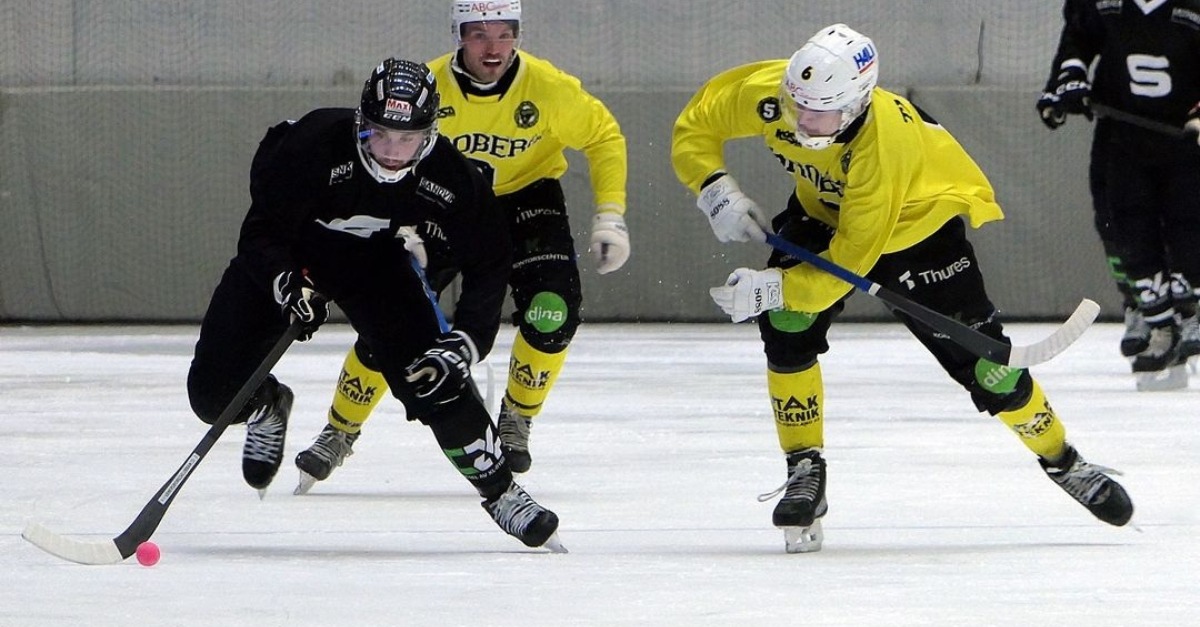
(1037, 425)
(531, 374)
(797, 402)
(358, 391)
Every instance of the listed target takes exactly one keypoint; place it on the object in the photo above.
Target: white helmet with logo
(467, 11)
(836, 70)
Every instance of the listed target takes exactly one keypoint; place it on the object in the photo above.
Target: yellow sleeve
(589, 127)
(725, 108)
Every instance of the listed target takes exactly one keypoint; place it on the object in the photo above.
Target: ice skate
(1091, 486)
(265, 432)
(1161, 367)
(803, 504)
(1137, 333)
(514, 438)
(1189, 341)
(328, 451)
(522, 518)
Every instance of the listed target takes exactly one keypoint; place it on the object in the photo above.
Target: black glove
(443, 372)
(299, 301)
(1069, 93)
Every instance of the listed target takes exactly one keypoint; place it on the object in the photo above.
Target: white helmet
(467, 11)
(834, 71)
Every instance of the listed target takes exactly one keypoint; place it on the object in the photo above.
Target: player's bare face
(488, 49)
(817, 123)
(391, 148)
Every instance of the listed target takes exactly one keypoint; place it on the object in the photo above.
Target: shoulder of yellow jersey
(770, 71)
(547, 76)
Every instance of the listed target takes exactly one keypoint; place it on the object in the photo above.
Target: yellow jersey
(518, 136)
(898, 179)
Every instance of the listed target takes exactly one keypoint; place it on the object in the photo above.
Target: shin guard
(531, 374)
(797, 401)
(1037, 425)
(358, 391)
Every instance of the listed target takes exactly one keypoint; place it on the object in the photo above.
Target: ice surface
(651, 450)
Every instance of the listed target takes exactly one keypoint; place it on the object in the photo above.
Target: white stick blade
(1057, 342)
(79, 551)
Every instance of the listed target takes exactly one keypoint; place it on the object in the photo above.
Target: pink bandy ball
(148, 553)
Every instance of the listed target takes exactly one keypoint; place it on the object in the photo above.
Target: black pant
(391, 312)
(941, 273)
(1146, 194)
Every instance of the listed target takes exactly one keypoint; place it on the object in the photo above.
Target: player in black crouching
(335, 201)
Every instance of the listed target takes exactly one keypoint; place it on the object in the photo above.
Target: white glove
(413, 244)
(610, 241)
(733, 216)
(747, 293)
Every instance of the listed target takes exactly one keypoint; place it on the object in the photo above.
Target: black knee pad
(793, 341)
(548, 323)
(996, 402)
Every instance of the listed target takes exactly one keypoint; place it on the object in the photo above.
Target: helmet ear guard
(400, 95)
(835, 70)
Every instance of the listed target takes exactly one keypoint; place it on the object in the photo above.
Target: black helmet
(400, 95)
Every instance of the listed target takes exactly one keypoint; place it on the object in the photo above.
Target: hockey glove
(1068, 93)
(610, 241)
(442, 374)
(299, 301)
(413, 244)
(1191, 128)
(747, 293)
(733, 216)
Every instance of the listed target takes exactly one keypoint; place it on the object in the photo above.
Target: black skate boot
(329, 451)
(1160, 367)
(265, 432)
(803, 504)
(522, 518)
(1137, 333)
(514, 438)
(1091, 486)
(1189, 338)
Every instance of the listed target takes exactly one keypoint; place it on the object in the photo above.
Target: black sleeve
(280, 195)
(482, 247)
(1081, 38)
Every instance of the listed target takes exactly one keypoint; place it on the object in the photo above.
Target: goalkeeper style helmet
(835, 71)
(467, 11)
(396, 121)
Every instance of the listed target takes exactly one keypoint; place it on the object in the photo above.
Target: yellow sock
(797, 401)
(1037, 425)
(531, 374)
(358, 391)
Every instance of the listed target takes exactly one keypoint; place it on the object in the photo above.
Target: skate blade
(803, 539)
(1172, 378)
(306, 483)
(553, 544)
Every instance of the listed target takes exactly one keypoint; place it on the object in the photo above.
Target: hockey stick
(1177, 132)
(117, 549)
(444, 327)
(977, 343)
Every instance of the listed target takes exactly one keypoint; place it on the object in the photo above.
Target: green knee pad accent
(547, 312)
(996, 378)
(791, 321)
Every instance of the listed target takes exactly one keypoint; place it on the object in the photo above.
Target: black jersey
(315, 207)
(1149, 53)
